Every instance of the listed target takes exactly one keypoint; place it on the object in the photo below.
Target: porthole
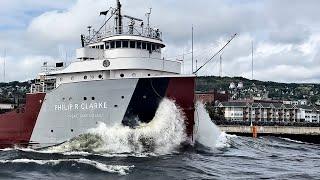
(70, 98)
(115, 105)
(148, 74)
(122, 97)
(106, 63)
(85, 77)
(122, 75)
(71, 130)
(72, 78)
(63, 99)
(100, 76)
(51, 131)
(93, 98)
(85, 98)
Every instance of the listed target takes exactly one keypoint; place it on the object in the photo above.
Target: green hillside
(279, 91)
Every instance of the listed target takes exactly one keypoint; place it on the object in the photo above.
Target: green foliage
(278, 91)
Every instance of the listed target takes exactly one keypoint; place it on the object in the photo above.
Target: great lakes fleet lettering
(81, 106)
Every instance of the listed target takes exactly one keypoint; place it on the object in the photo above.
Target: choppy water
(153, 151)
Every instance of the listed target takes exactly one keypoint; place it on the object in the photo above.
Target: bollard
(254, 131)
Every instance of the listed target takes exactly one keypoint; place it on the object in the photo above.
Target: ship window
(85, 98)
(149, 46)
(125, 44)
(100, 76)
(139, 44)
(118, 44)
(107, 45)
(72, 78)
(121, 75)
(92, 98)
(153, 47)
(112, 44)
(132, 44)
(101, 47)
(122, 97)
(144, 46)
(51, 130)
(85, 77)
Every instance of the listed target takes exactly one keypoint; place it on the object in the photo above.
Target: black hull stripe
(145, 100)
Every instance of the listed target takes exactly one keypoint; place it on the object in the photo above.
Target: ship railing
(152, 33)
(41, 87)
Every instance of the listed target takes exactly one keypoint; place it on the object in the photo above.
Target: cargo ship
(118, 77)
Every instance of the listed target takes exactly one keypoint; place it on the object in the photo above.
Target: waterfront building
(268, 112)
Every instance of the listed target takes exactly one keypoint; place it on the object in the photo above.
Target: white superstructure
(123, 51)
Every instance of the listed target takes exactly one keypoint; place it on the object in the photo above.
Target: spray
(163, 135)
(206, 132)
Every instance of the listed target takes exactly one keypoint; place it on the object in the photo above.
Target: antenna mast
(215, 54)
(192, 47)
(148, 14)
(119, 18)
(4, 65)
(252, 60)
(220, 66)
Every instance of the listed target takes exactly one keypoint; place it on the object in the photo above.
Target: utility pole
(192, 49)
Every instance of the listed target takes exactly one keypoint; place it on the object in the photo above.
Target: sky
(285, 34)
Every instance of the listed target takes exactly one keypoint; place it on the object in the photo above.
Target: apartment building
(269, 112)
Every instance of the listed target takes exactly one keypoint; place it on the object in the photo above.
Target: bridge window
(125, 44)
(101, 46)
(144, 46)
(132, 44)
(107, 45)
(118, 44)
(148, 46)
(153, 47)
(139, 44)
(112, 44)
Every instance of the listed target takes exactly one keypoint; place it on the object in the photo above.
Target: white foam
(122, 170)
(291, 140)
(162, 135)
(206, 132)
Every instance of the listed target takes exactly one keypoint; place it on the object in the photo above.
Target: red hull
(182, 89)
(16, 126)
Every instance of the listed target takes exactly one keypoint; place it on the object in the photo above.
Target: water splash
(206, 132)
(162, 135)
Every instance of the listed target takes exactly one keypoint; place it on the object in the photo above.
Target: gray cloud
(285, 33)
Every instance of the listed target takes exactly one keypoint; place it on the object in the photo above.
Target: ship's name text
(82, 106)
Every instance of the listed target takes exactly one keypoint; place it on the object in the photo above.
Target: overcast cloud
(286, 34)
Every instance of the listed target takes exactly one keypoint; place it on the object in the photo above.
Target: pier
(308, 134)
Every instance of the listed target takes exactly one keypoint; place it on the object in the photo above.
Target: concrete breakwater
(309, 134)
